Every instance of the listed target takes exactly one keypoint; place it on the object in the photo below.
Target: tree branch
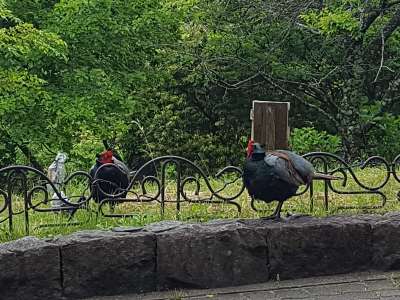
(305, 103)
(393, 3)
(30, 156)
(24, 149)
(388, 29)
(228, 85)
(382, 58)
(373, 15)
(314, 92)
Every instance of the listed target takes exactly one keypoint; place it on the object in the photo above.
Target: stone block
(30, 269)
(386, 243)
(312, 246)
(213, 255)
(108, 263)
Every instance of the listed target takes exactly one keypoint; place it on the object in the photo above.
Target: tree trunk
(351, 102)
(24, 149)
(31, 158)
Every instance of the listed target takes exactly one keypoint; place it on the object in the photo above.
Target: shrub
(309, 139)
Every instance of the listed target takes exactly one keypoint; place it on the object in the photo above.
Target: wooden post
(270, 124)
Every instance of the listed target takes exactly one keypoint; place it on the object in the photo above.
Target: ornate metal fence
(332, 164)
(168, 180)
(24, 190)
(183, 173)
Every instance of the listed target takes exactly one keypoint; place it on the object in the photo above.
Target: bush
(308, 139)
(383, 138)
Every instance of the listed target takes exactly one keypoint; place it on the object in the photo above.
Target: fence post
(270, 124)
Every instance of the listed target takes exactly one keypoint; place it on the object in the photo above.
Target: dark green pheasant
(276, 175)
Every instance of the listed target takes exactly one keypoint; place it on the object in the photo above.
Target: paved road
(357, 286)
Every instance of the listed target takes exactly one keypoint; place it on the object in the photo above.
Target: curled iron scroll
(192, 185)
(396, 162)
(343, 169)
(182, 181)
(33, 185)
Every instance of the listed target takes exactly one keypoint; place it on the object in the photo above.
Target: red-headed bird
(276, 175)
(111, 179)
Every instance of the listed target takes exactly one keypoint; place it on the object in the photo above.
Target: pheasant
(276, 175)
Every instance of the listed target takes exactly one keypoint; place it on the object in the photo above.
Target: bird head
(258, 149)
(250, 147)
(254, 148)
(106, 157)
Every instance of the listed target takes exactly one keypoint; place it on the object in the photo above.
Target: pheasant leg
(277, 213)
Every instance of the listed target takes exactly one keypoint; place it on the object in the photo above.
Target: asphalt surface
(357, 286)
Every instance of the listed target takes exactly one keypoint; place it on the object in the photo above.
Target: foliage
(332, 21)
(115, 68)
(384, 137)
(358, 66)
(178, 76)
(27, 56)
(308, 139)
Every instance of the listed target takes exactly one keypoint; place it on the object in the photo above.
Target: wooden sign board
(270, 124)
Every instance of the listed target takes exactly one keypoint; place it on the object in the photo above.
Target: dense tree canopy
(178, 76)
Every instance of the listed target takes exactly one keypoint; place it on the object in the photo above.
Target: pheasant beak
(250, 147)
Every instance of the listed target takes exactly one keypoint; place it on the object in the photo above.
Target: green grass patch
(145, 213)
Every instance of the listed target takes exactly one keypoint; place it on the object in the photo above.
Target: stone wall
(184, 255)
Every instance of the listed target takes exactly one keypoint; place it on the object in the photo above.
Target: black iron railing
(168, 179)
(183, 173)
(332, 164)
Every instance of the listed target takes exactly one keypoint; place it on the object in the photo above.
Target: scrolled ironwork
(172, 180)
(5, 201)
(341, 167)
(180, 168)
(32, 187)
(396, 161)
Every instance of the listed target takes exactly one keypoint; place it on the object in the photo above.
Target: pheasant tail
(325, 176)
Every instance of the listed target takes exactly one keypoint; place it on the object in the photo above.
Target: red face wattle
(106, 157)
(250, 148)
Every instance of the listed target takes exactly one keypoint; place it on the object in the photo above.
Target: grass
(146, 213)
